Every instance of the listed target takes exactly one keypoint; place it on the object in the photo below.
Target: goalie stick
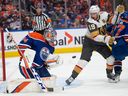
(35, 74)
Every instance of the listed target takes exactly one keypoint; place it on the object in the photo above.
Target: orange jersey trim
(37, 36)
(20, 87)
(121, 27)
(124, 20)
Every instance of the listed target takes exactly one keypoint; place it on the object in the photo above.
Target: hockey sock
(117, 67)
(76, 71)
(109, 70)
(109, 66)
(78, 68)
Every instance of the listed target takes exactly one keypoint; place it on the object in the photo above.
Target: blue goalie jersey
(36, 42)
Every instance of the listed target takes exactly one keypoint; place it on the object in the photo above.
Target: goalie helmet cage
(2, 57)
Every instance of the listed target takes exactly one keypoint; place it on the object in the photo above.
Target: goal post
(2, 56)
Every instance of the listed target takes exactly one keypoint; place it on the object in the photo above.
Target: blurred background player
(43, 45)
(40, 21)
(96, 40)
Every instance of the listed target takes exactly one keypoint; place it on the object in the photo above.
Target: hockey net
(2, 57)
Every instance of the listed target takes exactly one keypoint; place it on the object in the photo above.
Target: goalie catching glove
(54, 61)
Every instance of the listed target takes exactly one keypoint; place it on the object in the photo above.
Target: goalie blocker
(30, 85)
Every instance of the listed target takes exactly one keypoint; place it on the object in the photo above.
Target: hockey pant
(26, 72)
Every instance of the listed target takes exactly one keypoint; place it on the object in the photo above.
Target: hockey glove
(109, 40)
(120, 9)
(54, 61)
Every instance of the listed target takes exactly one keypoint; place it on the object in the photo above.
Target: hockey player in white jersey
(96, 39)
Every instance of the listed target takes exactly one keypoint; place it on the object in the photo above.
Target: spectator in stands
(26, 23)
(15, 24)
(55, 9)
(106, 5)
(57, 14)
(94, 2)
(8, 13)
(64, 20)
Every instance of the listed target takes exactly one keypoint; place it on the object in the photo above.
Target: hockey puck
(62, 88)
(73, 56)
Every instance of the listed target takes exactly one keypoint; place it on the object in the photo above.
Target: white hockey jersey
(97, 24)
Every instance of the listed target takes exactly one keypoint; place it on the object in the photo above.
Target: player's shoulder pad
(104, 15)
(36, 36)
(92, 21)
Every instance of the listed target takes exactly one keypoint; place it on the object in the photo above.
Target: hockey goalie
(37, 56)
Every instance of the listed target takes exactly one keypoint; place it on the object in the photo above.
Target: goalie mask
(50, 35)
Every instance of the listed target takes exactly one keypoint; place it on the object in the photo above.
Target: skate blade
(113, 81)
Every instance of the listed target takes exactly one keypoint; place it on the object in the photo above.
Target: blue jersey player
(43, 45)
(120, 47)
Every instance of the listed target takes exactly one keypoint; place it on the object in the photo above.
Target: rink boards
(68, 40)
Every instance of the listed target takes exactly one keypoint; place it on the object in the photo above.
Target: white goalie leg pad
(22, 86)
(30, 85)
(50, 82)
(82, 63)
(54, 61)
(110, 60)
(29, 55)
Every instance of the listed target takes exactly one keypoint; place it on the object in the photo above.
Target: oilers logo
(44, 53)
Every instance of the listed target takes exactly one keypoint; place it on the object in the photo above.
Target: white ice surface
(92, 80)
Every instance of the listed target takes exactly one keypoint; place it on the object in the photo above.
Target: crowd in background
(9, 15)
(63, 13)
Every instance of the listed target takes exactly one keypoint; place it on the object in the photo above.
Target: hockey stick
(35, 74)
